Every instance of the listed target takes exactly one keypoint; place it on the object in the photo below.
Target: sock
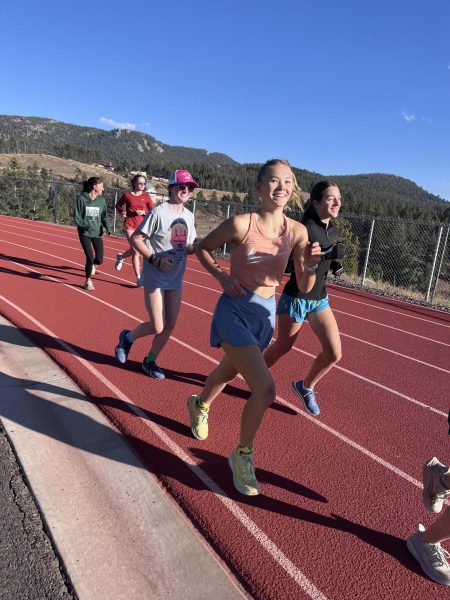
(244, 449)
(151, 357)
(129, 337)
(202, 406)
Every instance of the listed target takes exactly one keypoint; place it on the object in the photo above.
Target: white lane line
(334, 295)
(422, 337)
(269, 546)
(352, 373)
(396, 312)
(362, 377)
(417, 360)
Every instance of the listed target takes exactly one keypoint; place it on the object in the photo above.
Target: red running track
(340, 492)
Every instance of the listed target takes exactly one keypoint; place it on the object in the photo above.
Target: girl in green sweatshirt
(91, 219)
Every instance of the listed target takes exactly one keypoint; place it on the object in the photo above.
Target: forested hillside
(374, 194)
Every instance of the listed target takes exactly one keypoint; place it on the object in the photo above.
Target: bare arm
(231, 231)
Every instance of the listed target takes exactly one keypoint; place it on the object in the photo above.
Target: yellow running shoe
(244, 478)
(199, 418)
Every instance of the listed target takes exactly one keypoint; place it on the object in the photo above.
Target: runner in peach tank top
(260, 260)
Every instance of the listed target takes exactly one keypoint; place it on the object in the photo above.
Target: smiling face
(139, 184)
(276, 186)
(179, 194)
(329, 205)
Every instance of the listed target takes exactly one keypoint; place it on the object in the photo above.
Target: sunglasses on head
(183, 186)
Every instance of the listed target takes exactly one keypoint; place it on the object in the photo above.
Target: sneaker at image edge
(89, 286)
(199, 419)
(431, 557)
(244, 478)
(308, 397)
(119, 261)
(123, 347)
(151, 369)
(434, 493)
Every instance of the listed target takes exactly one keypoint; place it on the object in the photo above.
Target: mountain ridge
(378, 194)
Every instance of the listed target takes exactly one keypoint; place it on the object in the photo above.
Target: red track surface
(340, 492)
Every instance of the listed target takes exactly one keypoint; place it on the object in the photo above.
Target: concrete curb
(117, 532)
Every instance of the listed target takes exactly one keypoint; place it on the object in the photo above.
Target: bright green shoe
(199, 418)
(244, 473)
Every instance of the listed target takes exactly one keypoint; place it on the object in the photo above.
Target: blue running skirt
(243, 321)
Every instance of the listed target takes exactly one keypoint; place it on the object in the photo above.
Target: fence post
(26, 201)
(427, 297)
(55, 198)
(440, 265)
(372, 225)
(224, 251)
(115, 212)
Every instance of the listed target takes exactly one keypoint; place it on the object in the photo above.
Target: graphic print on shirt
(92, 212)
(254, 256)
(178, 238)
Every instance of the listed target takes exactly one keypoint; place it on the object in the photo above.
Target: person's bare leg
(171, 309)
(287, 332)
(154, 304)
(439, 530)
(325, 327)
(250, 363)
(217, 380)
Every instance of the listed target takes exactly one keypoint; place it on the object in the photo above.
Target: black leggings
(87, 243)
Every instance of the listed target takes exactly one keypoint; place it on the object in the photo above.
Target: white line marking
(352, 373)
(396, 312)
(269, 546)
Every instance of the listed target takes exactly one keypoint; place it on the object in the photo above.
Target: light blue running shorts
(298, 309)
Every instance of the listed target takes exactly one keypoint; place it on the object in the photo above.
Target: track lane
(345, 534)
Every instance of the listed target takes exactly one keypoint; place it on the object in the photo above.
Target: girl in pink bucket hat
(164, 239)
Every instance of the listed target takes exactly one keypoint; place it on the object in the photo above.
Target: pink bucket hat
(181, 177)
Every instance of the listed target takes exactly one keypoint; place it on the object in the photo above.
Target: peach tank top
(260, 260)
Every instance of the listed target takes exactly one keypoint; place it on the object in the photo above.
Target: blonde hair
(295, 199)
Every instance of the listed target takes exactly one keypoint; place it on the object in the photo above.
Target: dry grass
(62, 167)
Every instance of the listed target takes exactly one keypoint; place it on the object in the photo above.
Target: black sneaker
(151, 369)
(123, 347)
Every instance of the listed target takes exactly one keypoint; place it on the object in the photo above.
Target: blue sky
(336, 87)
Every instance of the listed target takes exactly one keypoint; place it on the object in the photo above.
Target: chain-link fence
(406, 259)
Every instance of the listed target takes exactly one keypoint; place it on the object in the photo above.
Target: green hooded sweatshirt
(90, 215)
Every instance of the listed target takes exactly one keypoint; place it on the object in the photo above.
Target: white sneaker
(119, 261)
(93, 270)
(431, 557)
(434, 493)
(89, 286)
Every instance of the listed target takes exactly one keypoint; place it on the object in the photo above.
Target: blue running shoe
(123, 347)
(308, 397)
(151, 369)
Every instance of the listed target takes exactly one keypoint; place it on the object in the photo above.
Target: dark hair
(295, 197)
(316, 193)
(90, 183)
(134, 180)
(318, 189)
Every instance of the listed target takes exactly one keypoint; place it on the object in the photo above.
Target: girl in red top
(133, 206)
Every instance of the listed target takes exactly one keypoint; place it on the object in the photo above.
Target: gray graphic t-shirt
(168, 233)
